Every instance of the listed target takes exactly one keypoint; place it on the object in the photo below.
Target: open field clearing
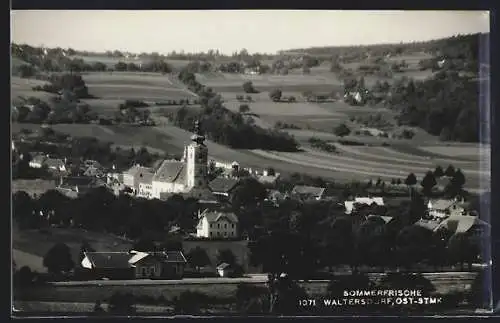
(22, 259)
(144, 93)
(37, 243)
(32, 186)
(359, 169)
(282, 108)
(410, 150)
(227, 82)
(128, 78)
(140, 86)
(468, 152)
(122, 135)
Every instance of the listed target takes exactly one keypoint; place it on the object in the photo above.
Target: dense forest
(447, 105)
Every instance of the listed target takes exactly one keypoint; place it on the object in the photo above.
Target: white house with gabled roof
(216, 224)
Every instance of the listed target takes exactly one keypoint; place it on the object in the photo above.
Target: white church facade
(183, 176)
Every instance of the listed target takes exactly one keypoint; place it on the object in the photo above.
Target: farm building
(216, 224)
(135, 264)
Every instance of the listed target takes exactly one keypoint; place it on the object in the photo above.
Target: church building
(190, 175)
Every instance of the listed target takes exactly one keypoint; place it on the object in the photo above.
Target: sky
(263, 31)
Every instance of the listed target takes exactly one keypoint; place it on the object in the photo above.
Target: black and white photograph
(250, 163)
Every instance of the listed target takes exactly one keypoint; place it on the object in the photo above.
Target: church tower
(197, 160)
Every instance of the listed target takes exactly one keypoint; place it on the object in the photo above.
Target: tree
(413, 245)
(428, 183)
(411, 180)
(26, 71)
(438, 172)
(198, 258)
(23, 277)
(275, 95)
(248, 192)
(450, 171)
(458, 179)
(248, 87)
(341, 130)
(244, 108)
(227, 256)
(58, 259)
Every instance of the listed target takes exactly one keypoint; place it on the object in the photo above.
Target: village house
(76, 186)
(216, 224)
(350, 205)
(132, 176)
(222, 186)
(56, 164)
(135, 264)
(442, 208)
(305, 192)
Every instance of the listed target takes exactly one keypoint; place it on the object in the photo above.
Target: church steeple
(197, 159)
(197, 136)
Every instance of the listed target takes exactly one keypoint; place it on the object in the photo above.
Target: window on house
(225, 226)
(225, 233)
(211, 225)
(211, 233)
(218, 226)
(144, 271)
(218, 234)
(232, 225)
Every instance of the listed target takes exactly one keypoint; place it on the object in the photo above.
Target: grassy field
(32, 186)
(31, 245)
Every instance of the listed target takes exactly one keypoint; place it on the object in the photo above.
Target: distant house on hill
(216, 224)
(135, 264)
(442, 208)
(305, 192)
